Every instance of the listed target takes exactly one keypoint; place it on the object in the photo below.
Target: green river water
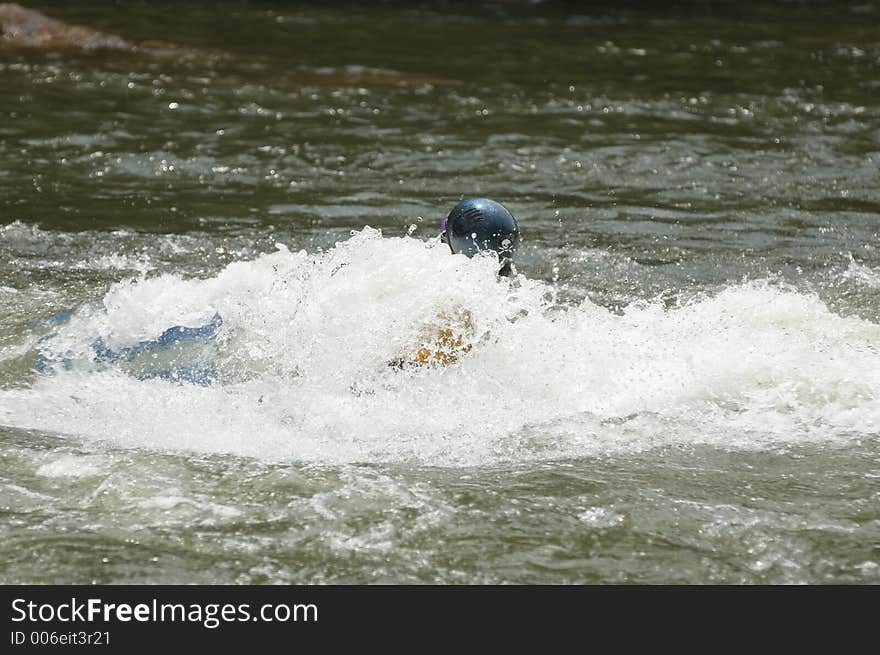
(682, 384)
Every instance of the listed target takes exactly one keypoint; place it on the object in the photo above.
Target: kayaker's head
(478, 224)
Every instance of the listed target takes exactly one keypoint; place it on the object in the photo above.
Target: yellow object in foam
(445, 341)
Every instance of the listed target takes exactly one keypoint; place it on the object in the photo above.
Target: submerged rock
(27, 28)
(23, 28)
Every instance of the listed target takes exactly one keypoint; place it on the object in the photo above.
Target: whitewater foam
(306, 339)
(862, 274)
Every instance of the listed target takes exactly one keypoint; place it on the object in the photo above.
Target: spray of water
(303, 341)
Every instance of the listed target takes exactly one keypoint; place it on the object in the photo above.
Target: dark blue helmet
(478, 224)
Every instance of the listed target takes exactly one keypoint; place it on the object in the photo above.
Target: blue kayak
(179, 354)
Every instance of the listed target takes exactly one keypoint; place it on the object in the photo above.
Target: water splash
(302, 356)
(862, 275)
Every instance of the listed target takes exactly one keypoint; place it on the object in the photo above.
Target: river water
(682, 384)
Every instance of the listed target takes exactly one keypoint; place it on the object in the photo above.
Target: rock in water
(27, 28)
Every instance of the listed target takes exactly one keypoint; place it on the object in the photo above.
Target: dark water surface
(683, 385)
